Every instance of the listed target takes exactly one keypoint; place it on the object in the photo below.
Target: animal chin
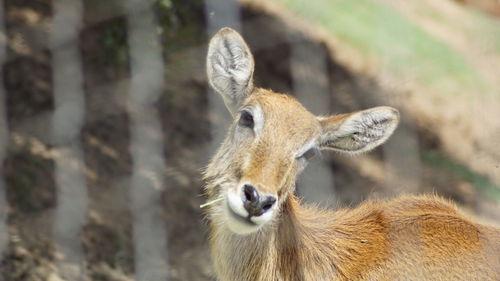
(238, 224)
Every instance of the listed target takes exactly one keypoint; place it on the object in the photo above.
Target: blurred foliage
(113, 43)
(106, 245)
(445, 163)
(30, 186)
(181, 26)
(179, 23)
(166, 4)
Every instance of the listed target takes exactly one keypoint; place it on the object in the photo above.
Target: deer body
(428, 240)
(261, 232)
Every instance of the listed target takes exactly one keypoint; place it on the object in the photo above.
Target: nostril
(256, 204)
(250, 192)
(248, 195)
(268, 203)
(267, 206)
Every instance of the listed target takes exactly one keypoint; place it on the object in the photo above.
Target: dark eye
(309, 154)
(246, 119)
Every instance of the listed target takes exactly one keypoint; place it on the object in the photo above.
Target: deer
(261, 231)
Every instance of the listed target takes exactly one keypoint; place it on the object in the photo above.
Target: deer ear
(230, 67)
(359, 131)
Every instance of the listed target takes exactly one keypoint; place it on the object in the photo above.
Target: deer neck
(304, 243)
(273, 253)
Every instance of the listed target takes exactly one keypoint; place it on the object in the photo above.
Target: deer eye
(246, 119)
(309, 154)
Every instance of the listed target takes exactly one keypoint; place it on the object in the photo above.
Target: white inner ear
(230, 67)
(363, 131)
(230, 64)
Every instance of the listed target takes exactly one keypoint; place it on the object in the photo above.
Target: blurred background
(106, 119)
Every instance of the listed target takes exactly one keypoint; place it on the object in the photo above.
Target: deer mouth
(238, 223)
(239, 218)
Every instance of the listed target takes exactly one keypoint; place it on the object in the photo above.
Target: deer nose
(256, 204)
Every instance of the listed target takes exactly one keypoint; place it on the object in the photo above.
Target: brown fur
(393, 240)
(408, 238)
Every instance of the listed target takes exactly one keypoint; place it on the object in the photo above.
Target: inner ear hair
(230, 67)
(359, 131)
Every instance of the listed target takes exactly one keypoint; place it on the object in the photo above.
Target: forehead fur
(284, 114)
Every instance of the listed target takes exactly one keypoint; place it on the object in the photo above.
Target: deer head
(272, 139)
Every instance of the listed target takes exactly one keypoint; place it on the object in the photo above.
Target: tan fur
(408, 238)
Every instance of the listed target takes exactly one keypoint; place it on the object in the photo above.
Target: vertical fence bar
(148, 182)
(310, 83)
(67, 120)
(222, 13)
(4, 138)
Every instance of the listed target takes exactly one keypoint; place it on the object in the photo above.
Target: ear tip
(218, 41)
(394, 112)
(226, 32)
(389, 110)
(225, 36)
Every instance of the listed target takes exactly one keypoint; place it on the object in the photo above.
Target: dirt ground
(183, 108)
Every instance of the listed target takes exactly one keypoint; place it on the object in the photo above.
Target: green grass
(382, 34)
(481, 182)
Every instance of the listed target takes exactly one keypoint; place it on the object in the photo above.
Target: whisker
(211, 202)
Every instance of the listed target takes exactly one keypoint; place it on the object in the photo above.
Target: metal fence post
(4, 139)
(148, 181)
(67, 121)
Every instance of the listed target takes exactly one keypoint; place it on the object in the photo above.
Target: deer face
(272, 138)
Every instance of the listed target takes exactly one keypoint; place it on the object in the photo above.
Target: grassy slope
(382, 34)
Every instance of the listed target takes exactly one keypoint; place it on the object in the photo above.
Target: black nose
(255, 203)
